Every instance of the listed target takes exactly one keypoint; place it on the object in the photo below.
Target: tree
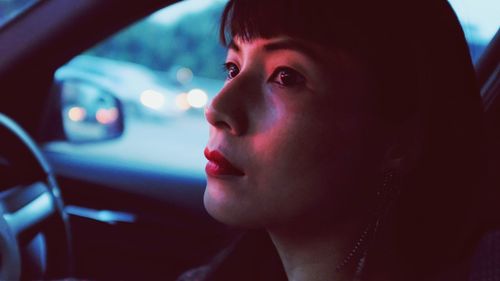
(191, 42)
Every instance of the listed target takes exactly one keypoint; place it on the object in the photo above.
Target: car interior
(70, 212)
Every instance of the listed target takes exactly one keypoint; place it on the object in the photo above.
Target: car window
(480, 21)
(162, 70)
(9, 9)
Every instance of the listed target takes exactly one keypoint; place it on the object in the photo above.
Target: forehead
(281, 43)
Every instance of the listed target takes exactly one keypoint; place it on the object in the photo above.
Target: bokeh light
(106, 115)
(197, 98)
(181, 102)
(184, 75)
(77, 114)
(152, 99)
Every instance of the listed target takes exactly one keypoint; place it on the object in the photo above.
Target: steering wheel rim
(31, 207)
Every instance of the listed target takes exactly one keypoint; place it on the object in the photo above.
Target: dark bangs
(306, 20)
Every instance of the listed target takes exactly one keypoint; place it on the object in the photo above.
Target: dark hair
(425, 86)
(367, 31)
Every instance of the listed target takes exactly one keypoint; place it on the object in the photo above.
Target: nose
(228, 109)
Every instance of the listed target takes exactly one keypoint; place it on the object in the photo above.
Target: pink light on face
(106, 115)
(273, 120)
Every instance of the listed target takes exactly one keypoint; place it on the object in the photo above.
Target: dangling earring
(387, 193)
(368, 233)
(360, 243)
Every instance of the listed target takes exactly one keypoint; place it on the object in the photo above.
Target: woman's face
(292, 136)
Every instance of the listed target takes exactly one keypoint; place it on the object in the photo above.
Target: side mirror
(82, 111)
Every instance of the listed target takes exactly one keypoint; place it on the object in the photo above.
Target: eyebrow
(293, 45)
(233, 46)
(285, 44)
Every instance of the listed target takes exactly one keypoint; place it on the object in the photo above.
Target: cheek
(295, 135)
(293, 178)
(295, 154)
(305, 161)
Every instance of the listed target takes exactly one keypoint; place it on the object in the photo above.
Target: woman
(347, 132)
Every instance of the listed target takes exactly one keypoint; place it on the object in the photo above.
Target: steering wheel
(34, 230)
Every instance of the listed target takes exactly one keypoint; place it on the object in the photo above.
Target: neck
(315, 254)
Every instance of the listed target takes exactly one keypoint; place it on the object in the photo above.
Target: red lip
(219, 166)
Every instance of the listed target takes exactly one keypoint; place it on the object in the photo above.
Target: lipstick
(218, 165)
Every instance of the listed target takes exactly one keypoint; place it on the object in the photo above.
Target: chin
(230, 211)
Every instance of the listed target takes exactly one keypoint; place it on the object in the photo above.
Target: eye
(287, 77)
(231, 70)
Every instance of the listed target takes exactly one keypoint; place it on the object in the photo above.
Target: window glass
(9, 9)
(163, 70)
(480, 20)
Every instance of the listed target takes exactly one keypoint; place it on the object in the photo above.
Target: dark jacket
(250, 257)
